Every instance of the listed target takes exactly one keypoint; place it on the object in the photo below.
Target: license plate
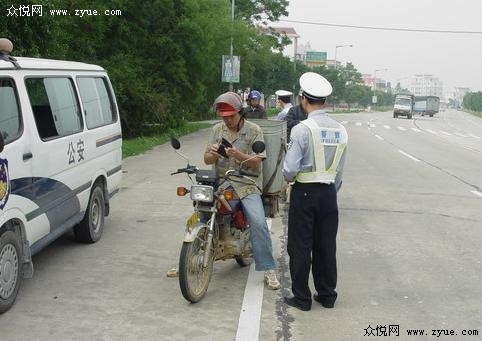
(193, 220)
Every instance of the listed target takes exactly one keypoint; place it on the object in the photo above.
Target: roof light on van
(6, 46)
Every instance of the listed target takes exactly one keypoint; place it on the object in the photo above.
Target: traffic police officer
(295, 115)
(284, 102)
(314, 161)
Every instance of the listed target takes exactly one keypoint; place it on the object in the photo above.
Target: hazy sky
(455, 59)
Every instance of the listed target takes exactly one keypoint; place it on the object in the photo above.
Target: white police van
(60, 159)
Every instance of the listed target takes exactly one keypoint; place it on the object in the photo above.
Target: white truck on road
(403, 106)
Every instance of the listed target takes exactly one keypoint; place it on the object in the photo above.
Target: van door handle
(27, 156)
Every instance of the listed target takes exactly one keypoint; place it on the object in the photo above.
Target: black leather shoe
(296, 303)
(323, 303)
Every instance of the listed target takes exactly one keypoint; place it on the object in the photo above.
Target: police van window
(94, 95)
(54, 106)
(10, 120)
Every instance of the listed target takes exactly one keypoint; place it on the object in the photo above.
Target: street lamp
(336, 49)
(374, 98)
(231, 47)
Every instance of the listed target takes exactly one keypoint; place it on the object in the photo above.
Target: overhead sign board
(315, 57)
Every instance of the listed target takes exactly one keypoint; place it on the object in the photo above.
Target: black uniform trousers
(312, 229)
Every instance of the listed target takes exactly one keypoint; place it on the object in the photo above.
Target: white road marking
(250, 315)
(408, 155)
(372, 125)
(379, 137)
(445, 133)
(477, 193)
(344, 122)
(460, 134)
(386, 126)
(415, 129)
(432, 131)
(358, 124)
(402, 128)
(475, 136)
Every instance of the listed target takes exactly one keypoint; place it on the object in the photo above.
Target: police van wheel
(90, 229)
(10, 276)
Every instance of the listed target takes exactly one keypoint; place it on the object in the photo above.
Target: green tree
(261, 11)
(32, 35)
(473, 101)
(358, 94)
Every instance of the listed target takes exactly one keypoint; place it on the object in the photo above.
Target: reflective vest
(328, 145)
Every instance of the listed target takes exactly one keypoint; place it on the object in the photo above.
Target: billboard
(230, 69)
(315, 58)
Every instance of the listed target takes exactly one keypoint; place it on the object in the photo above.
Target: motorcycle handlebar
(246, 173)
(188, 170)
(240, 174)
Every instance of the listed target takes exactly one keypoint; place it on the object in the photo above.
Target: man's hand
(214, 149)
(211, 155)
(232, 152)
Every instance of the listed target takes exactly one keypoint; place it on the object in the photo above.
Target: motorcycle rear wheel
(194, 278)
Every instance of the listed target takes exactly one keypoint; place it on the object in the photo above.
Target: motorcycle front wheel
(194, 278)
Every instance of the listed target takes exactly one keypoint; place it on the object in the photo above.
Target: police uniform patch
(4, 183)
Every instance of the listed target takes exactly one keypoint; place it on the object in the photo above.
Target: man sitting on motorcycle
(242, 134)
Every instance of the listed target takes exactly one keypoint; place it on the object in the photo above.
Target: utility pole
(374, 98)
(231, 48)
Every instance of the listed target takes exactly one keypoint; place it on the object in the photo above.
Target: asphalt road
(409, 250)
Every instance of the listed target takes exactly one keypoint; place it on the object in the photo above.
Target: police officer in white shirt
(284, 102)
(314, 162)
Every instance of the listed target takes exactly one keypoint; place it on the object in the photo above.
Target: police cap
(314, 86)
(284, 96)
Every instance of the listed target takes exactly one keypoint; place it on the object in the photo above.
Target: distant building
(378, 83)
(330, 63)
(426, 85)
(301, 51)
(287, 31)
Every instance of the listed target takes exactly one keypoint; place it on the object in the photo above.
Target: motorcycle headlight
(202, 193)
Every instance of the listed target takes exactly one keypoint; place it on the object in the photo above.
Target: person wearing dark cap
(295, 115)
(254, 108)
(314, 160)
(284, 102)
(242, 134)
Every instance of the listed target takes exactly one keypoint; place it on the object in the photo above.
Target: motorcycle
(217, 229)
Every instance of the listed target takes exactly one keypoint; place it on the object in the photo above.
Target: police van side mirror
(2, 142)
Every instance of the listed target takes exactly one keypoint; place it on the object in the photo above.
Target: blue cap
(254, 94)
